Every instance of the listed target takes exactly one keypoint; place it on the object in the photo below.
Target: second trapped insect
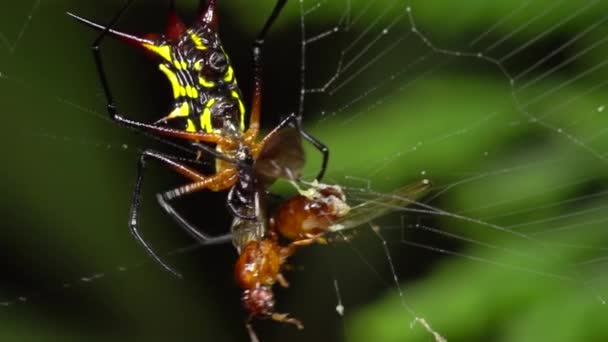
(304, 219)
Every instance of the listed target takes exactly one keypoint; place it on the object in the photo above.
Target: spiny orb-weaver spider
(208, 100)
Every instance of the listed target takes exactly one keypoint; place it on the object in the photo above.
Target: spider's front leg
(293, 119)
(256, 50)
(256, 105)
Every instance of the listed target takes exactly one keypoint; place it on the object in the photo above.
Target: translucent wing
(282, 156)
(382, 205)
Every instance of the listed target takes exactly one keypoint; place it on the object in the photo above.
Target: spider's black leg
(133, 215)
(257, 74)
(278, 7)
(110, 104)
(136, 200)
(96, 48)
(317, 144)
(204, 239)
(256, 51)
(295, 120)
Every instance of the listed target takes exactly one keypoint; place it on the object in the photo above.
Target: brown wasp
(304, 219)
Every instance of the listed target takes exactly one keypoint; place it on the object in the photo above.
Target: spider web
(500, 105)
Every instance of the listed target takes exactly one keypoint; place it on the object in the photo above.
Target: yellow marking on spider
(205, 83)
(206, 117)
(191, 92)
(241, 108)
(229, 74)
(184, 65)
(181, 111)
(190, 127)
(198, 66)
(210, 103)
(182, 91)
(206, 120)
(163, 50)
(172, 78)
(198, 42)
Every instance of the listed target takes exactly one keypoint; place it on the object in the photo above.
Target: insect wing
(381, 205)
(282, 155)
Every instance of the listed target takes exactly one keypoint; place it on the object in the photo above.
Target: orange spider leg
(176, 133)
(254, 120)
(219, 181)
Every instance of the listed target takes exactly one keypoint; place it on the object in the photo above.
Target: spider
(208, 101)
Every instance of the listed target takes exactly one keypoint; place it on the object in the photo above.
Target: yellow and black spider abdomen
(205, 91)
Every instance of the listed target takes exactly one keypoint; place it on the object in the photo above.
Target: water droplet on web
(340, 309)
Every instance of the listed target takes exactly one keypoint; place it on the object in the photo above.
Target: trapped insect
(310, 217)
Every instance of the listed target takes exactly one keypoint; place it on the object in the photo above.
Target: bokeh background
(514, 141)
